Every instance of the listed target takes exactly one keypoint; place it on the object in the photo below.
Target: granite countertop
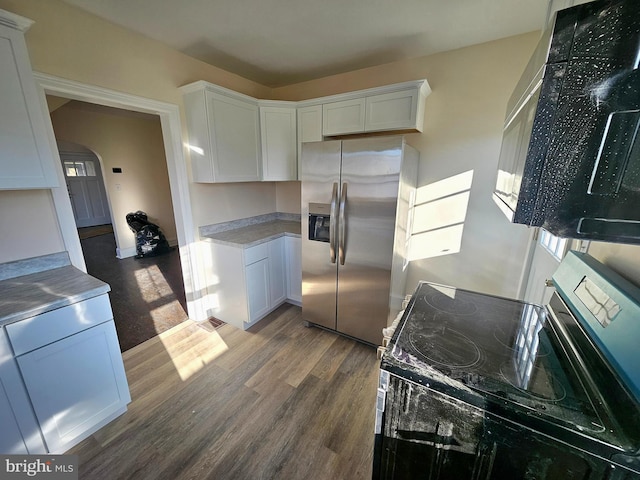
(247, 232)
(256, 234)
(28, 295)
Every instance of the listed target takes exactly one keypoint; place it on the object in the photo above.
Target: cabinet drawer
(35, 332)
(254, 254)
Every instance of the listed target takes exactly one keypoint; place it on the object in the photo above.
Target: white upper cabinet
(237, 138)
(278, 140)
(309, 128)
(224, 134)
(394, 111)
(26, 160)
(347, 116)
(397, 107)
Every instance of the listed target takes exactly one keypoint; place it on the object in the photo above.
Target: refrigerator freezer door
(320, 171)
(371, 172)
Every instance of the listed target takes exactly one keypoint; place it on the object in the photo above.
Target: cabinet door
(343, 117)
(391, 111)
(309, 129)
(257, 278)
(278, 135)
(294, 268)
(235, 138)
(26, 160)
(277, 274)
(75, 384)
(19, 429)
(11, 440)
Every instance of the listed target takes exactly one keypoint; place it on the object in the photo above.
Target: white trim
(421, 85)
(125, 252)
(14, 21)
(176, 165)
(528, 261)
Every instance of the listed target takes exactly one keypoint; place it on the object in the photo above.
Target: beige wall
(66, 42)
(230, 201)
(134, 143)
(28, 225)
(70, 43)
(624, 259)
(288, 197)
(461, 141)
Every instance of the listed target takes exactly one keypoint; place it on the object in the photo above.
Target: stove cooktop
(491, 348)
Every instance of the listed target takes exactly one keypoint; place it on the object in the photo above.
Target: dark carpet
(147, 294)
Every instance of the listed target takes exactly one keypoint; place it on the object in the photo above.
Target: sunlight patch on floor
(190, 361)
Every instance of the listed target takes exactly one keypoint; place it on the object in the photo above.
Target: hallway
(147, 295)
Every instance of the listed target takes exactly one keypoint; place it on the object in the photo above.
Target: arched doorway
(85, 184)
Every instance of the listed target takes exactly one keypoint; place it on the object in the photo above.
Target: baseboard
(122, 253)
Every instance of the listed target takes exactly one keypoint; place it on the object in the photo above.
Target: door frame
(176, 165)
(94, 156)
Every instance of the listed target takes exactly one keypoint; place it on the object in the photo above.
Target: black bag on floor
(150, 240)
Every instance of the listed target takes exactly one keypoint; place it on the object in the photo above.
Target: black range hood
(570, 157)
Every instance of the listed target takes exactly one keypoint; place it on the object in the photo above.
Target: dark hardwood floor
(280, 401)
(147, 295)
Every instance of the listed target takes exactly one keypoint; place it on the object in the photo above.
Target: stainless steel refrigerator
(357, 199)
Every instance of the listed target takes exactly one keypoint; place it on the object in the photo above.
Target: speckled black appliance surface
(580, 177)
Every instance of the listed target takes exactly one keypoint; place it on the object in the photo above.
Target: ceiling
(280, 42)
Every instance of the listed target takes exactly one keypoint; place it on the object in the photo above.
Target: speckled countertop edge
(252, 235)
(26, 296)
(31, 265)
(245, 233)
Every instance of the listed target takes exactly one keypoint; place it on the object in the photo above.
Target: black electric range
(478, 386)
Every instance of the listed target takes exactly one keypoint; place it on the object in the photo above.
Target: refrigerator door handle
(332, 223)
(342, 226)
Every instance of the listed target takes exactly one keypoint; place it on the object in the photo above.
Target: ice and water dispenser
(319, 218)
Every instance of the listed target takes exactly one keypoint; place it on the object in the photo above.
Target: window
(556, 246)
(81, 168)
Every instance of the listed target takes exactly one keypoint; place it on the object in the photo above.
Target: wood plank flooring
(280, 401)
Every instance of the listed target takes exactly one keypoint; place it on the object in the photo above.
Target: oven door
(426, 434)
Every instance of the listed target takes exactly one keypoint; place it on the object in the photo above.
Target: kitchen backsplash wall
(288, 197)
(28, 225)
(222, 202)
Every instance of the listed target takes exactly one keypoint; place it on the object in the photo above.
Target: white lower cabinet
(91, 391)
(244, 285)
(20, 432)
(293, 248)
(257, 282)
(11, 439)
(277, 272)
(71, 373)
